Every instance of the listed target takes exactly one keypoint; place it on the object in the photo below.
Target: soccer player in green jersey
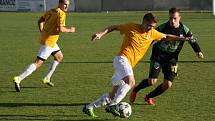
(165, 56)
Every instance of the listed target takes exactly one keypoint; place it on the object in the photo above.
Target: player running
(165, 56)
(51, 24)
(136, 41)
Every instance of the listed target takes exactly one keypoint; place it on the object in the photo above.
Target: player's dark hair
(174, 10)
(150, 17)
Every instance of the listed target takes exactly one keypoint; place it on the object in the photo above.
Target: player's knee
(152, 81)
(131, 83)
(167, 84)
(129, 80)
(111, 94)
(38, 63)
(59, 58)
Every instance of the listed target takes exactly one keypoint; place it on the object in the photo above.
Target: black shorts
(169, 70)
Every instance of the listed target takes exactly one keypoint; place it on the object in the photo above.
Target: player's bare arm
(64, 29)
(177, 38)
(41, 22)
(107, 30)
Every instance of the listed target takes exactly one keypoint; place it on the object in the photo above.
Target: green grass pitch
(84, 74)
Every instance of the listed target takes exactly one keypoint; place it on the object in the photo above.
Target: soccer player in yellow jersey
(51, 24)
(136, 41)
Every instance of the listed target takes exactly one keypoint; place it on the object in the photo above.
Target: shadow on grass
(140, 104)
(38, 104)
(11, 118)
(46, 118)
(12, 89)
(33, 87)
(85, 120)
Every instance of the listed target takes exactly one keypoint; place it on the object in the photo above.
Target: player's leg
(153, 75)
(123, 89)
(170, 71)
(102, 101)
(157, 91)
(105, 99)
(126, 82)
(43, 54)
(169, 74)
(120, 94)
(28, 70)
(58, 56)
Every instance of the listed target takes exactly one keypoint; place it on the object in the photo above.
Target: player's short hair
(150, 17)
(174, 10)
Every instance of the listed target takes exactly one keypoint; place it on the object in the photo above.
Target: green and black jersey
(168, 51)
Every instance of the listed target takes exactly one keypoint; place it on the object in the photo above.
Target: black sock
(159, 90)
(143, 84)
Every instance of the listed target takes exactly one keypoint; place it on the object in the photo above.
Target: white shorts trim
(45, 51)
(122, 69)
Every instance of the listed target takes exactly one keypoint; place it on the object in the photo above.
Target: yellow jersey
(50, 33)
(135, 42)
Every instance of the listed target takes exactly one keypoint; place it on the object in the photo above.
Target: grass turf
(84, 74)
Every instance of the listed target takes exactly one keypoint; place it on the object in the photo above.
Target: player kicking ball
(136, 41)
(51, 24)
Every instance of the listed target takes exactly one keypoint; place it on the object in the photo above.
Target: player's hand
(95, 37)
(72, 29)
(190, 38)
(200, 55)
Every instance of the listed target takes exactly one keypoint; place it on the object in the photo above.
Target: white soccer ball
(125, 109)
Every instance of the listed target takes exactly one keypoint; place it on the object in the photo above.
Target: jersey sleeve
(157, 36)
(193, 43)
(123, 28)
(61, 19)
(195, 46)
(188, 33)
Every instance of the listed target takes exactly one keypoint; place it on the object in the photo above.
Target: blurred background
(107, 5)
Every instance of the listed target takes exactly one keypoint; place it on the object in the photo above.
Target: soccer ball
(124, 109)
